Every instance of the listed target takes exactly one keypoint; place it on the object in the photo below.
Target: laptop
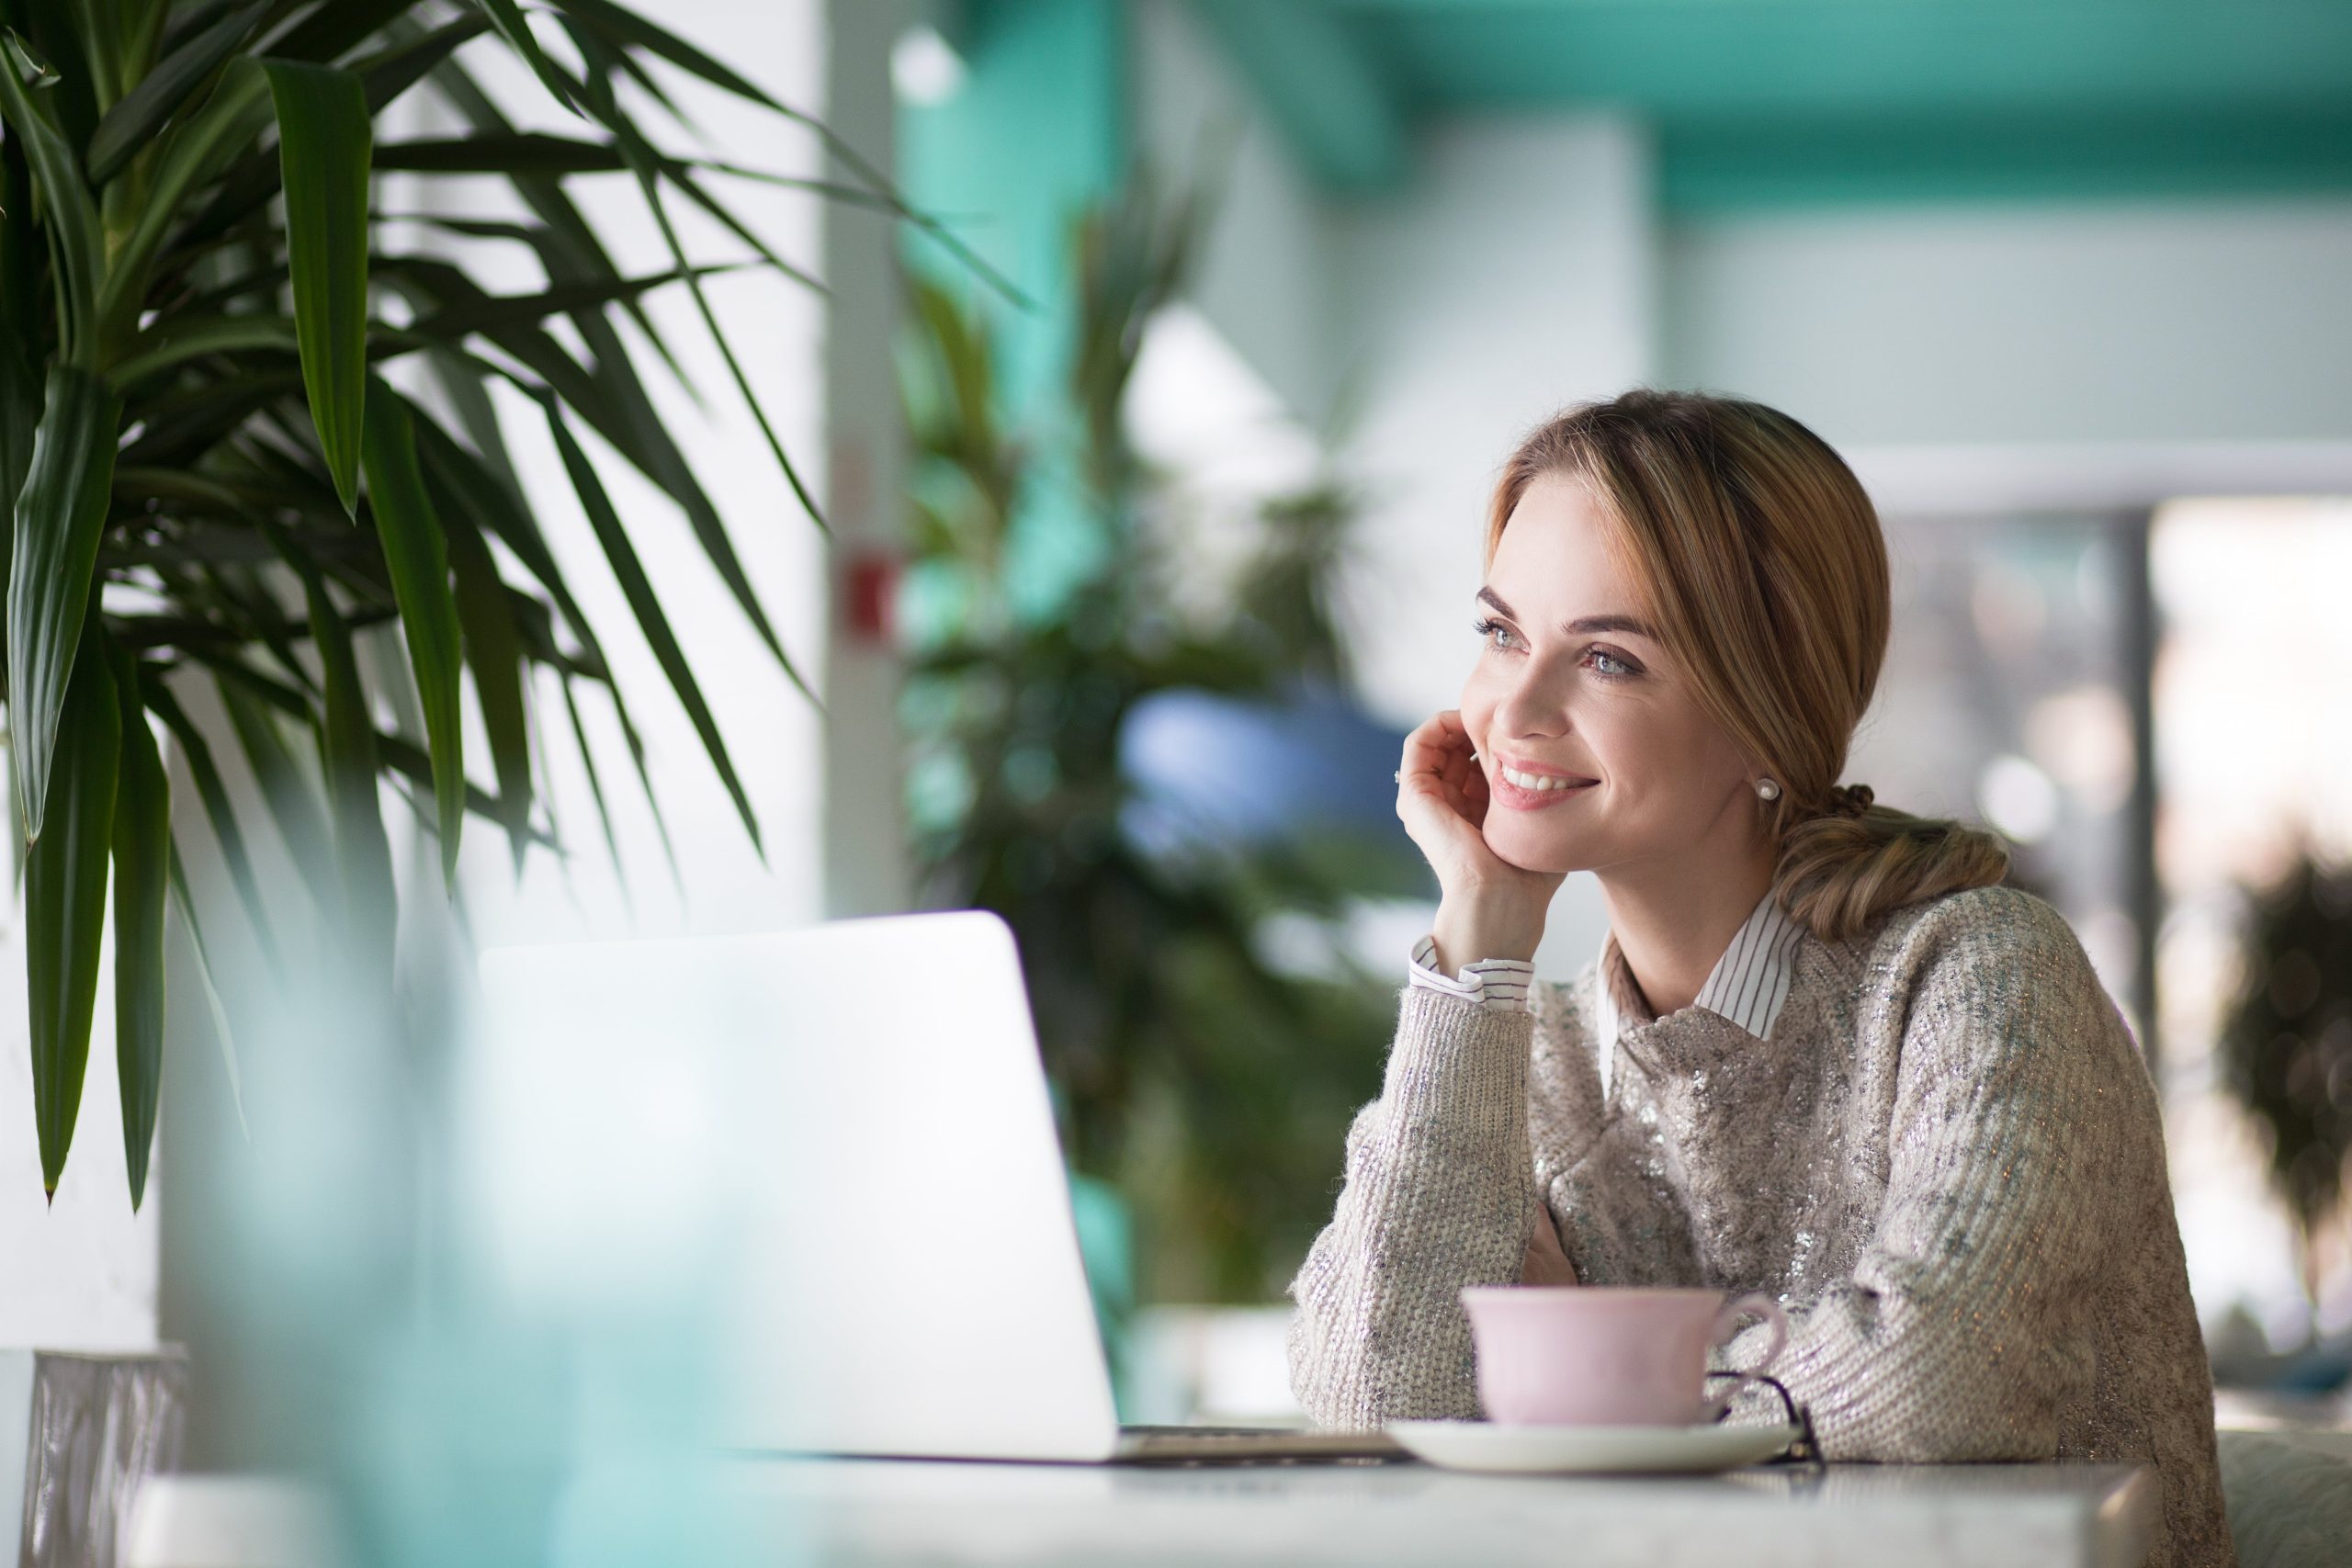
(902, 1273)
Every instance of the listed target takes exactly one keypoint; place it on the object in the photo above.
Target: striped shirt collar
(1747, 987)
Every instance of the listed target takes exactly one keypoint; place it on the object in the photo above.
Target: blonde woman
(1824, 1053)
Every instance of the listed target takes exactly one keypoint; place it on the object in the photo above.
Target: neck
(1674, 917)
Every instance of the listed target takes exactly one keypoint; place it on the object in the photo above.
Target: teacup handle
(1727, 1328)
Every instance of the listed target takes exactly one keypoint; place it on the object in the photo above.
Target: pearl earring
(1768, 789)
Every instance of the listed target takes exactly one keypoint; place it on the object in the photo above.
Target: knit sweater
(1946, 1164)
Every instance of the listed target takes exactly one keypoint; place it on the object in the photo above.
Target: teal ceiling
(1771, 102)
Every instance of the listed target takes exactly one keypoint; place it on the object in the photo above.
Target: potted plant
(240, 424)
(2285, 1046)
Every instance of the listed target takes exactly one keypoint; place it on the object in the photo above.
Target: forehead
(1554, 554)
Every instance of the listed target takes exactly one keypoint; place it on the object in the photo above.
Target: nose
(1534, 704)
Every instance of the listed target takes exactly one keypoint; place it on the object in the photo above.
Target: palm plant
(218, 477)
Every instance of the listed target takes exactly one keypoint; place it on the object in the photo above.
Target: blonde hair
(1759, 561)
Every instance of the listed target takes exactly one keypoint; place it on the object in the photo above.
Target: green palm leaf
(650, 169)
(142, 849)
(419, 562)
(507, 17)
(493, 650)
(255, 176)
(65, 911)
(323, 139)
(190, 159)
(196, 750)
(512, 152)
(348, 753)
(185, 901)
(286, 790)
(133, 124)
(607, 392)
(55, 549)
(76, 250)
(647, 606)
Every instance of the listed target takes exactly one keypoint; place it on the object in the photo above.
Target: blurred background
(1155, 479)
(2067, 285)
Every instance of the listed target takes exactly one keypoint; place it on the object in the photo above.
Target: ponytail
(1839, 871)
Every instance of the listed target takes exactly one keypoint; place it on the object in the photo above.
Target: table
(884, 1513)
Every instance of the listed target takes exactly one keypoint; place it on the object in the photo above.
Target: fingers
(1545, 1263)
(1435, 759)
(1442, 799)
(1434, 742)
(1466, 785)
(1429, 801)
(1444, 747)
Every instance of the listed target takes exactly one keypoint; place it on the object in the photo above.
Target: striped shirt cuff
(1499, 985)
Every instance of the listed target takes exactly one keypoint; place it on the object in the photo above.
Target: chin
(1535, 852)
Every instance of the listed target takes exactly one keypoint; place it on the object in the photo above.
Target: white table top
(886, 1512)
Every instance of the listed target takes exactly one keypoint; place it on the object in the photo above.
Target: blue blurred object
(1212, 769)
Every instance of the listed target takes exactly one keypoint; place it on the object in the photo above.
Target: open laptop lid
(906, 1276)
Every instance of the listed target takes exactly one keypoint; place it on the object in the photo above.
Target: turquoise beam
(1834, 102)
(1321, 86)
(1775, 163)
(1721, 57)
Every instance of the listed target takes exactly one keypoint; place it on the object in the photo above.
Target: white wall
(2106, 322)
(1263, 277)
(1519, 276)
(80, 1271)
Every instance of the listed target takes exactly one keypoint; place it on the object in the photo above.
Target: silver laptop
(901, 1275)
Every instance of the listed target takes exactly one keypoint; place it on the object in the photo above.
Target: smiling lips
(1529, 791)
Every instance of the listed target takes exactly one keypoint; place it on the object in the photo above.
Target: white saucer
(1522, 1450)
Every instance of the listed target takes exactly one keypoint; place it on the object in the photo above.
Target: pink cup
(1608, 1355)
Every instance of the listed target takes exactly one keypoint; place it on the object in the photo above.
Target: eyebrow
(1591, 624)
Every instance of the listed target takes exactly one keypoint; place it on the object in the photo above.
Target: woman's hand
(1546, 1263)
(1486, 908)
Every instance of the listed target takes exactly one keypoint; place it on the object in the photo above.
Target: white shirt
(1747, 987)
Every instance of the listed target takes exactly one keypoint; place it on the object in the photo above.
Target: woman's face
(1571, 685)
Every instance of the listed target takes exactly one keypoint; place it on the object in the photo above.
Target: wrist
(1482, 932)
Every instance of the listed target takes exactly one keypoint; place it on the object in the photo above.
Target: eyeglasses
(1804, 1449)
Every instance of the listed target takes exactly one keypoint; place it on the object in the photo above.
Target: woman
(1822, 1053)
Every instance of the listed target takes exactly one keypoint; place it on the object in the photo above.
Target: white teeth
(1535, 781)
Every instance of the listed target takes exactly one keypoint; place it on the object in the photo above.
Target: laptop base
(1177, 1445)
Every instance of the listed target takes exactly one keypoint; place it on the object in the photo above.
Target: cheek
(1693, 747)
(1477, 705)
(1675, 766)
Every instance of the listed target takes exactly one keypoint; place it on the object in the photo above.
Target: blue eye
(1487, 628)
(1501, 639)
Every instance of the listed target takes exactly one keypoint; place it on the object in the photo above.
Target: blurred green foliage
(2286, 1049)
(1212, 1089)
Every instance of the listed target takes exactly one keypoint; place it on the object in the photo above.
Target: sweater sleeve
(2022, 1112)
(1439, 1193)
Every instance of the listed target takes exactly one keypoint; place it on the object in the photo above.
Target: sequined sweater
(1946, 1163)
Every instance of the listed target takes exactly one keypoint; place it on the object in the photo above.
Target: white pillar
(865, 863)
